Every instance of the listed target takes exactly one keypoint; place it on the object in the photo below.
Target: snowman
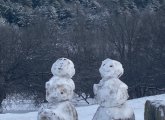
(59, 92)
(111, 93)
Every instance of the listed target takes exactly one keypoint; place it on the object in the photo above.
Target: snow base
(123, 112)
(60, 111)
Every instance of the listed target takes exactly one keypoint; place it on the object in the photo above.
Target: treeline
(22, 12)
(136, 39)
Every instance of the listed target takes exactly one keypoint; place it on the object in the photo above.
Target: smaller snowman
(59, 92)
(111, 93)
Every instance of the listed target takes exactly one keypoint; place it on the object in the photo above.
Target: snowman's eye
(111, 66)
(62, 93)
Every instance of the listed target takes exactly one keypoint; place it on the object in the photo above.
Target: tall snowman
(111, 93)
(59, 92)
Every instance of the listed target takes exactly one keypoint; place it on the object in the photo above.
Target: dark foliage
(39, 32)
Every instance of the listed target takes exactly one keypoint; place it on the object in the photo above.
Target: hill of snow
(87, 112)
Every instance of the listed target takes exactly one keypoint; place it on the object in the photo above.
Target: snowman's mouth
(59, 68)
(53, 98)
(104, 70)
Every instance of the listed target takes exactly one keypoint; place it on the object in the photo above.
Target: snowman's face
(111, 68)
(63, 67)
(58, 92)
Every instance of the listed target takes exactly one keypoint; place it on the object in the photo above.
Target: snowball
(123, 112)
(60, 111)
(111, 93)
(63, 67)
(59, 91)
(57, 80)
(111, 68)
(46, 114)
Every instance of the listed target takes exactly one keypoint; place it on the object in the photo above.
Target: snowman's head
(57, 92)
(111, 69)
(63, 67)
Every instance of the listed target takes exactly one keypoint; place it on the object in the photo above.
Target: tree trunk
(154, 110)
(2, 96)
(1, 110)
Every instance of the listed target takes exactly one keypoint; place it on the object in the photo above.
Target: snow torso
(62, 80)
(110, 93)
(59, 90)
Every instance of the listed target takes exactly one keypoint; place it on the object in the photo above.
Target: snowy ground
(87, 112)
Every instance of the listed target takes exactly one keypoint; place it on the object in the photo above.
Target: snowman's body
(111, 93)
(59, 92)
(56, 79)
(55, 84)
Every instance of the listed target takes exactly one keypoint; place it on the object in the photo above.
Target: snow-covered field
(87, 112)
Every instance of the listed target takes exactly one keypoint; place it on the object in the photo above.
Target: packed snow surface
(87, 112)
